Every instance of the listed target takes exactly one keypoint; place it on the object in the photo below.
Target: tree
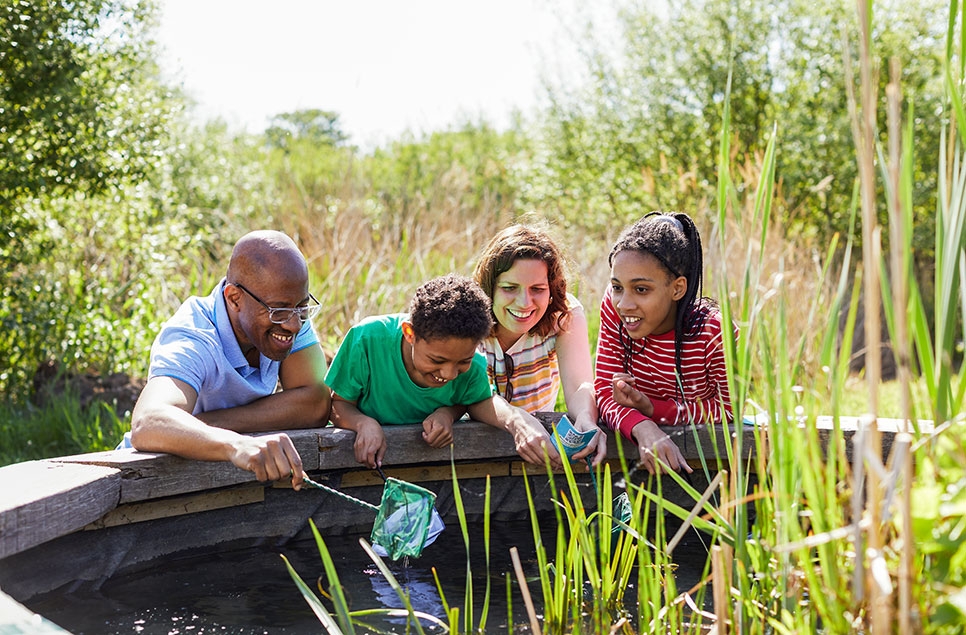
(642, 132)
(84, 128)
(312, 126)
(80, 105)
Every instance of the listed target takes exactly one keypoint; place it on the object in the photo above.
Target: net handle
(332, 490)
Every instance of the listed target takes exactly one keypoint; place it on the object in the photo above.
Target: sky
(386, 66)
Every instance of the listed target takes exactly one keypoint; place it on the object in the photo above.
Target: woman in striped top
(659, 354)
(539, 339)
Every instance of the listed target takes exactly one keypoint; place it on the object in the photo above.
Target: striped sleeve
(609, 361)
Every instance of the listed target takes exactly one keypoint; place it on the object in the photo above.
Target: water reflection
(249, 591)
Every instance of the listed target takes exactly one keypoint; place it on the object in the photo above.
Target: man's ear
(408, 333)
(679, 287)
(232, 297)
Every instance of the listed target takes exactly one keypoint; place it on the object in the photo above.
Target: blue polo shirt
(197, 345)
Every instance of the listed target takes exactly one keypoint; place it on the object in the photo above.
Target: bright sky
(384, 65)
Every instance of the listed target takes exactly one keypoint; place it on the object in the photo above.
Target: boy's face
(434, 363)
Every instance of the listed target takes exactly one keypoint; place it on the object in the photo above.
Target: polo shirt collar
(226, 335)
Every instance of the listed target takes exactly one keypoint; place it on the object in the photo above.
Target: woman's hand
(596, 450)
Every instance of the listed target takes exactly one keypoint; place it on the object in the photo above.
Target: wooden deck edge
(43, 500)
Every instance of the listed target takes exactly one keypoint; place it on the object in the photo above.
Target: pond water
(249, 591)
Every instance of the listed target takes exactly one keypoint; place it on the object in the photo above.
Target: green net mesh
(403, 521)
(622, 511)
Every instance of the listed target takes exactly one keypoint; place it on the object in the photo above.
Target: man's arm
(162, 422)
(303, 402)
(531, 438)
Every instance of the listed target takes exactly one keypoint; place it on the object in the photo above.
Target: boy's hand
(652, 443)
(370, 443)
(438, 428)
(626, 394)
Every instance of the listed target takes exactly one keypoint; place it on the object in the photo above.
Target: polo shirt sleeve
(306, 337)
(185, 354)
(349, 373)
(476, 385)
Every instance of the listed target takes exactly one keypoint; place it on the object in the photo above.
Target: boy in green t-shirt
(424, 367)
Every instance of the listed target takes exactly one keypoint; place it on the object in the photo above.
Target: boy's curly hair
(450, 306)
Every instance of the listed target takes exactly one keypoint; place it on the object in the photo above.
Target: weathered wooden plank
(426, 473)
(148, 475)
(41, 500)
(151, 475)
(179, 506)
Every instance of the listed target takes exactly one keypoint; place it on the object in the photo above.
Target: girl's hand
(654, 444)
(626, 394)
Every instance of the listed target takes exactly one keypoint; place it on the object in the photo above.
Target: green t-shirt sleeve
(476, 387)
(349, 374)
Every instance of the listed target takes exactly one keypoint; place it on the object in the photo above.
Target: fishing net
(622, 511)
(406, 519)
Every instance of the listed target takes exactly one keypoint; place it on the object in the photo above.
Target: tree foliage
(311, 126)
(86, 125)
(80, 106)
(642, 133)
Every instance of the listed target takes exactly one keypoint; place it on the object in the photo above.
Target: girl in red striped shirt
(659, 353)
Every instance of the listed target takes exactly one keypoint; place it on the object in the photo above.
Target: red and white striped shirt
(651, 362)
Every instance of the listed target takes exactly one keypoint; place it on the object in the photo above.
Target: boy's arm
(303, 402)
(370, 444)
(532, 440)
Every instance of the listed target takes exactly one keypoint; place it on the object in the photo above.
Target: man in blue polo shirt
(216, 364)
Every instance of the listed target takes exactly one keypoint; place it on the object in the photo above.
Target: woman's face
(644, 294)
(521, 296)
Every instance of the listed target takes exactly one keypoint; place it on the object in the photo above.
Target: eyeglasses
(508, 373)
(283, 315)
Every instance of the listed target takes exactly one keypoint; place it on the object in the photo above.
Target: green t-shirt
(369, 370)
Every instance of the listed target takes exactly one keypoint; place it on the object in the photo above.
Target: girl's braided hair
(674, 241)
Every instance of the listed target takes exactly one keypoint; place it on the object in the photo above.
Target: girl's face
(521, 296)
(434, 363)
(644, 294)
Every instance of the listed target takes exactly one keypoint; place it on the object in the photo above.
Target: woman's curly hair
(522, 242)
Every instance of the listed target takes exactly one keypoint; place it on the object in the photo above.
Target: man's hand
(652, 443)
(438, 428)
(626, 394)
(271, 457)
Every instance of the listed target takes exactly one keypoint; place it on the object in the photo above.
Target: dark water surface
(249, 591)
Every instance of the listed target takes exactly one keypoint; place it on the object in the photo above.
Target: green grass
(60, 427)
